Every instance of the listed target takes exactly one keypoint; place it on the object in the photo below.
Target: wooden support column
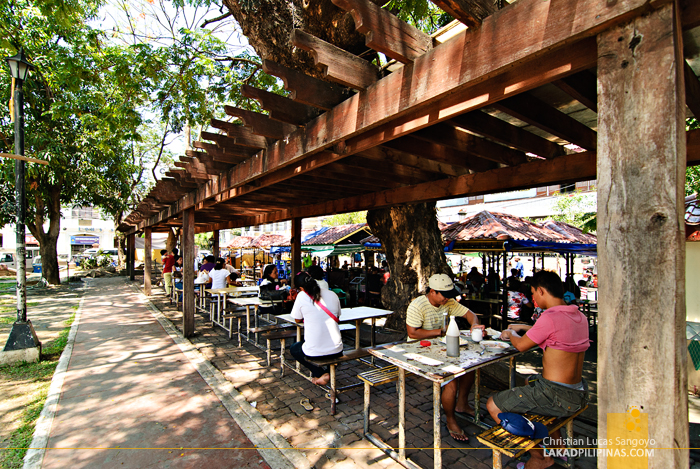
(215, 249)
(147, 261)
(130, 255)
(296, 246)
(188, 272)
(641, 173)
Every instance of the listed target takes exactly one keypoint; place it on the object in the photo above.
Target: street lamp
(22, 335)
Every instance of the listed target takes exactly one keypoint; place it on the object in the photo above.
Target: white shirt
(218, 278)
(321, 332)
(323, 284)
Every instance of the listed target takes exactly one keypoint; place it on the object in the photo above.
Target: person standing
(168, 263)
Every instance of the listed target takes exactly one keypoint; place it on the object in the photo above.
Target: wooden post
(215, 249)
(147, 261)
(296, 246)
(131, 256)
(641, 249)
(188, 272)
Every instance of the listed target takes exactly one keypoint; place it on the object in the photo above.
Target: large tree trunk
(414, 251)
(268, 25)
(171, 242)
(48, 240)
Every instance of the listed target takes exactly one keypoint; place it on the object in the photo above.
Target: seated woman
(270, 291)
(219, 275)
(319, 310)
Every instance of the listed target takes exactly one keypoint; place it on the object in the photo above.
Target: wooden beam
(386, 33)
(437, 152)
(233, 154)
(261, 124)
(130, 256)
(280, 108)
(469, 12)
(583, 87)
(692, 90)
(563, 169)
(641, 178)
(337, 65)
(306, 89)
(23, 158)
(690, 14)
(507, 134)
(446, 134)
(529, 109)
(241, 134)
(472, 73)
(692, 145)
(411, 160)
(147, 262)
(188, 272)
(295, 242)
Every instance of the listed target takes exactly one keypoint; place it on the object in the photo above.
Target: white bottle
(452, 338)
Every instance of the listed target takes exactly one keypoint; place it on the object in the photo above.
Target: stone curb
(37, 449)
(276, 450)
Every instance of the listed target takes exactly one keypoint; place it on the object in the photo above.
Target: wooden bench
(503, 442)
(333, 363)
(373, 378)
(238, 316)
(281, 334)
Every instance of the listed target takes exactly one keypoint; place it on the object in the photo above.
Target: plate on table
(494, 345)
(493, 333)
(463, 340)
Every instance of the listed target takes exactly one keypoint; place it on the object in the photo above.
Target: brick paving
(336, 440)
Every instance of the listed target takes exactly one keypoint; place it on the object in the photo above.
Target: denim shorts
(542, 397)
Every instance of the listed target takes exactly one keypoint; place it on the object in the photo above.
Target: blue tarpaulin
(314, 234)
(541, 246)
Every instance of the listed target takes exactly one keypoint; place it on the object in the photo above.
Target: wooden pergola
(540, 92)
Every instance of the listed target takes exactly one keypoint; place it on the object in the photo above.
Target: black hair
(310, 286)
(176, 257)
(221, 259)
(316, 272)
(515, 272)
(267, 271)
(219, 264)
(175, 251)
(581, 283)
(211, 259)
(550, 282)
(163, 251)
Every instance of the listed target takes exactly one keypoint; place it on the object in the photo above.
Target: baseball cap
(443, 283)
(521, 426)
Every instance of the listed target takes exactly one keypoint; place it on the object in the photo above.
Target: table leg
(511, 366)
(333, 390)
(374, 322)
(358, 322)
(437, 440)
(402, 413)
(477, 396)
(247, 322)
(298, 367)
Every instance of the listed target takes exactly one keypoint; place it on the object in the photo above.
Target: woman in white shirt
(316, 308)
(219, 275)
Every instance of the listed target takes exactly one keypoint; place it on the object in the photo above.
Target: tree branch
(162, 146)
(214, 20)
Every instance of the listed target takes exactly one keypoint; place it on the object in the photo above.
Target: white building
(81, 228)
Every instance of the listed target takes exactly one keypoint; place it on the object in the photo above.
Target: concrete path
(132, 399)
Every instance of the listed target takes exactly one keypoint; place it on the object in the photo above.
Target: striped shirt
(423, 315)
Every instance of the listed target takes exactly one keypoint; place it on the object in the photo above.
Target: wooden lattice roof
(488, 110)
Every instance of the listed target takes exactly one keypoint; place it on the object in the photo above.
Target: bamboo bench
(281, 334)
(503, 442)
(373, 378)
(238, 316)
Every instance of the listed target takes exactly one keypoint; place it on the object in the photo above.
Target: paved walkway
(131, 398)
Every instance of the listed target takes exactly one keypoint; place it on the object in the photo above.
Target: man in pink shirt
(562, 333)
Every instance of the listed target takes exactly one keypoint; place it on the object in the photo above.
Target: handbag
(203, 277)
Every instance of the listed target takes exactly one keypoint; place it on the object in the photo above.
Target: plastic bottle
(452, 338)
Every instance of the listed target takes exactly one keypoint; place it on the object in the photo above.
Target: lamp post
(22, 335)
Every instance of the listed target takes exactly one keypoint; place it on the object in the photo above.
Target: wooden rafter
(507, 134)
(434, 150)
(338, 65)
(469, 12)
(583, 87)
(410, 160)
(306, 89)
(280, 108)
(386, 33)
(529, 109)
(692, 90)
(261, 124)
(242, 135)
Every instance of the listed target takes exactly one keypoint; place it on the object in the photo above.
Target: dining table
(432, 363)
(221, 297)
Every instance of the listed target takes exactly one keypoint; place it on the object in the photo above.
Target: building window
(85, 213)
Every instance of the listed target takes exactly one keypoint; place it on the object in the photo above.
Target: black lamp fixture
(19, 66)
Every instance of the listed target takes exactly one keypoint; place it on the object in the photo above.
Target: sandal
(306, 404)
(460, 436)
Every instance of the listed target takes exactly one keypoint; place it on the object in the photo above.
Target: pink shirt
(562, 328)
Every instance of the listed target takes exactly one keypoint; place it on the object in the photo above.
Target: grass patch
(12, 308)
(41, 374)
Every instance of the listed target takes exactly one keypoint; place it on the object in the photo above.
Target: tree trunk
(48, 240)
(49, 259)
(268, 25)
(171, 242)
(414, 251)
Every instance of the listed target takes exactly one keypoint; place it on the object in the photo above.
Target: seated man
(425, 320)
(562, 333)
